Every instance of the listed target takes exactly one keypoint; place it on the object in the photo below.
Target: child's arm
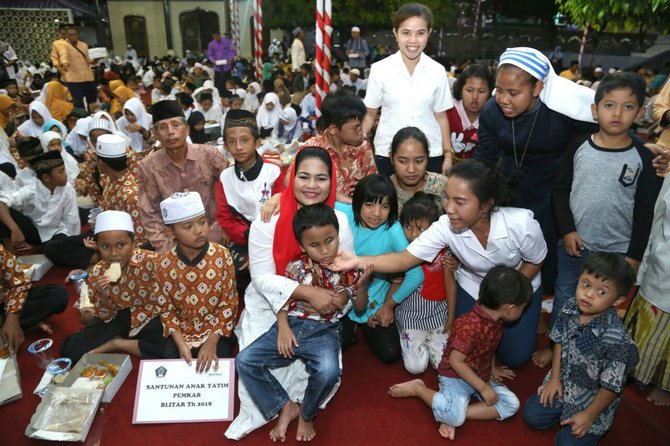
(17, 237)
(235, 228)
(361, 300)
(385, 314)
(553, 387)
(452, 289)
(461, 367)
(184, 350)
(285, 339)
(560, 195)
(581, 421)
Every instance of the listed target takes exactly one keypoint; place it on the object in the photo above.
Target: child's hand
(72, 273)
(489, 395)
(549, 391)
(448, 327)
(184, 352)
(86, 315)
(270, 208)
(573, 244)
(102, 286)
(374, 321)
(451, 262)
(365, 276)
(500, 372)
(133, 128)
(285, 342)
(581, 423)
(385, 314)
(207, 355)
(89, 242)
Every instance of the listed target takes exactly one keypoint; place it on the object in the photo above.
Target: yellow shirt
(75, 65)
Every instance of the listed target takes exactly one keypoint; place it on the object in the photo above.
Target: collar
(479, 311)
(252, 173)
(44, 191)
(465, 121)
(201, 255)
(190, 155)
(497, 227)
(597, 325)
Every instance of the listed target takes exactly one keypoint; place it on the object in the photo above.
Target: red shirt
(477, 336)
(433, 284)
(463, 141)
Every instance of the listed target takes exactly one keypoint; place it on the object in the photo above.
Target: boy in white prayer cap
(121, 314)
(196, 288)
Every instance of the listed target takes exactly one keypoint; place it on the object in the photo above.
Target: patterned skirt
(649, 327)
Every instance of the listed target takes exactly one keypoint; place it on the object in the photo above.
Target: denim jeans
(518, 341)
(318, 347)
(450, 404)
(542, 418)
(566, 281)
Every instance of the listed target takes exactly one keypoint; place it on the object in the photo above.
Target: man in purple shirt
(221, 53)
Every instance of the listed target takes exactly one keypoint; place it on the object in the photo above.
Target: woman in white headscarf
(52, 141)
(135, 123)
(77, 138)
(268, 114)
(38, 114)
(251, 102)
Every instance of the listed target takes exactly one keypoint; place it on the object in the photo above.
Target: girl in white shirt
(482, 234)
(412, 90)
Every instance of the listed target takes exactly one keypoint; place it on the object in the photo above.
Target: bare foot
(447, 431)
(406, 389)
(288, 413)
(109, 346)
(306, 430)
(542, 357)
(659, 397)
(45, 327)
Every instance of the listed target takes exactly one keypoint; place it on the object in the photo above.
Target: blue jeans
(518, 341)
(450, 404)
(566, 281)
(542, 418)
(318, 347)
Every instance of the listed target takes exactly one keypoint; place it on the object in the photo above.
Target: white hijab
(71, 165)
(74, 138)
(144, 120)
(29, 128)
(268, 119)
(251, 100)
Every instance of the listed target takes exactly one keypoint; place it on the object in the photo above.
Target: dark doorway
(196, 28)
(136, 34)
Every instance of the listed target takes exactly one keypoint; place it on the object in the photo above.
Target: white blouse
(514, 237)
(408, 100)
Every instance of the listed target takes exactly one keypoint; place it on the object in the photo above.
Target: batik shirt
(133, 290)
(596, 355)
(14, 284)
(122, 195)
(197, 297)
(436, 185)
(88, 172)
(352, 165)
(306, 272)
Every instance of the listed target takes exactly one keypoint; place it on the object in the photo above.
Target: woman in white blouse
(482, 233)
(412, 90)
(271, 246)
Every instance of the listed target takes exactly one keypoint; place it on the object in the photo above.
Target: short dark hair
(612, 267)
(374, 188)
(486, 181)
(421, 206)
(413, 10)
(622, 80)
(341, 107)
(314, 216)
(505, 285)
(477, 71)
(116, 164)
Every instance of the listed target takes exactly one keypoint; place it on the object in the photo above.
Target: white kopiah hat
(355, 29)
(113, 221)
(181, 206)
(110, 146)
(355, 71)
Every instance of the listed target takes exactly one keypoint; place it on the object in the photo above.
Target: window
(196, 27)
(136, 34)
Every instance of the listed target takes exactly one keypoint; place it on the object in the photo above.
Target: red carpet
(360, 414)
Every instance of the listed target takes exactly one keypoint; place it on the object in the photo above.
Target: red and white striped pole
(328, 31)
(318, 67)
(582, 45)
(235, 26)
(258, 37)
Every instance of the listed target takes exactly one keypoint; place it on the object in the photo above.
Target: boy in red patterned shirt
(467, 362)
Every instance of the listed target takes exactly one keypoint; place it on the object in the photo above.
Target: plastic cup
(59, 368)
(41, 351)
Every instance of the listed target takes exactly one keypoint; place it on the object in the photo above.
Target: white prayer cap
(289, 116)
(355, 29)
(113, 221)
(598, 70)
(82, 126)
(198, 65)
(110, 146)
(558, 94)
(355, 71)
(101, 124)
(47, 137)
(181, 206)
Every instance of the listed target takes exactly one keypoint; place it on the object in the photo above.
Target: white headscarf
(105, 115)
(559, 94)
(251, 100)
(144, 120)
(77, 144)
(29, 128)
(47, 137)
(71, 165)
(268, 119)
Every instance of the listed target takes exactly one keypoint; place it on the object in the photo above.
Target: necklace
(518, 162)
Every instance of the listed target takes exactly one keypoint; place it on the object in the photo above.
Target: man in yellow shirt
(55, 46)
(74, 65)
(572, 73)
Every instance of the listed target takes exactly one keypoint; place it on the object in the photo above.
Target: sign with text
(170, 391)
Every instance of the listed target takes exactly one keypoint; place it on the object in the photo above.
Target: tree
(369, 14)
